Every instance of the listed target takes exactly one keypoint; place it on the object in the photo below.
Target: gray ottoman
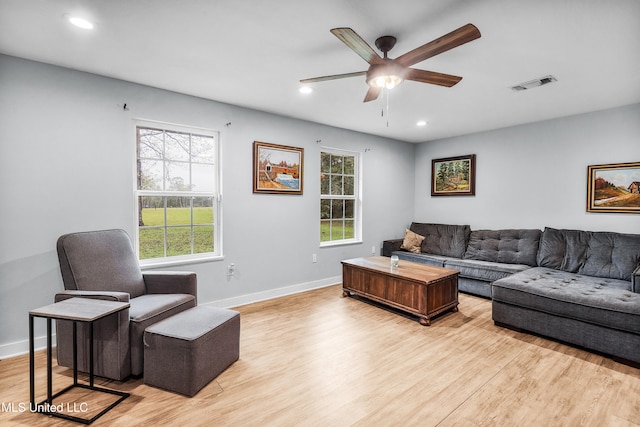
(184, 352)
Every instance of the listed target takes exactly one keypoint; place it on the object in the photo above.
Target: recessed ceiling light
(80, 22)
(421, 123)
(305, 89)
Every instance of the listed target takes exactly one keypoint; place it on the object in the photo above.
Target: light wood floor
(316, 359)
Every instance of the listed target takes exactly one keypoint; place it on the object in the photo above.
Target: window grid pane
(174, 217)
(168, 229)
(338, 200)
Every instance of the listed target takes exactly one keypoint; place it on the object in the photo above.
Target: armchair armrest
(389, 246)
(635, 280)
(171, 282)
(104, 295)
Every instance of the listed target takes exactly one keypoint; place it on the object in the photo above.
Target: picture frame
(454, 176)
(614, 188)
(277, 169)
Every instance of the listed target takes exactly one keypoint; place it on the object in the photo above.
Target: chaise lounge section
(585, 291)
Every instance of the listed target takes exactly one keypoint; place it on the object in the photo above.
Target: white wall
(66, 165)
(534, 175)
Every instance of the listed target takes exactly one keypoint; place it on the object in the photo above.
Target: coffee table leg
(424, 321)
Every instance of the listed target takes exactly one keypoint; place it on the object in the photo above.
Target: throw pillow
(412, 241)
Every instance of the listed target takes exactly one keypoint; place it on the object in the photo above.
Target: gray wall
(66, 165)
(534, 175)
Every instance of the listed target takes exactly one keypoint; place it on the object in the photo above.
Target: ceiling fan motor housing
(385, 44)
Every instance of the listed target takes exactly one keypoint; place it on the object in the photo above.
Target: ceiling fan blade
(372, 94)
(333, 77)
(455, 38)
(431, 77)
(357, 44)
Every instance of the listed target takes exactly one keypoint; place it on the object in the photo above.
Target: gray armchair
(103, 265)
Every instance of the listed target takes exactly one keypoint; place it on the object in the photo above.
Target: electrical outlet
(373, 250)
(231, 269)
(314, 258)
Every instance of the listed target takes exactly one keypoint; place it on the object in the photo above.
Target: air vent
(534, 83)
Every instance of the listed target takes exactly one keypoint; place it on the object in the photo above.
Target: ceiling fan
(385, 72)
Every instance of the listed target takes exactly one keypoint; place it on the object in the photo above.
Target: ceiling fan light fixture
(387, 75)
(388, 82)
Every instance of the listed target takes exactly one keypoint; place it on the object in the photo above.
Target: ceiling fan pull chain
(387, 94)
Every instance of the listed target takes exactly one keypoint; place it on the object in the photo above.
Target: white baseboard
(22, 347)
(274, 293)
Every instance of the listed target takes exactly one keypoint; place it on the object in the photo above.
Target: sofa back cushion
(443, 239)
(592, 253)
(100, 261)
(518, 246)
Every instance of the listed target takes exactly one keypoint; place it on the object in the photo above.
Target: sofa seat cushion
(512, 246)
(599, 301)
(484, 270)
(148, 306)
(422, 258)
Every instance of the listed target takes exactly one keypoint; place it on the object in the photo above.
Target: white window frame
(357, 197)
(216, 196)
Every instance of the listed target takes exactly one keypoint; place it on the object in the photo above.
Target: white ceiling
(253, 53)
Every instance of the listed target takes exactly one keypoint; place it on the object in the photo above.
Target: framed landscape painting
(614, 188)
(454, 176)
(277, 168)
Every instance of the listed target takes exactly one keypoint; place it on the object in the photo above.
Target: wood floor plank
(316, 359)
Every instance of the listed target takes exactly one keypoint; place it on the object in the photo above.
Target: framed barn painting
(454, 176)
(613, 188)
(277, 169)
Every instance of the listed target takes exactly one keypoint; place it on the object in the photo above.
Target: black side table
(77, 310)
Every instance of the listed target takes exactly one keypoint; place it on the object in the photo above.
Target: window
(339, 197)
(177, 193)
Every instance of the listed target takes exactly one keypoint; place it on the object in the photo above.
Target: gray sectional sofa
(580, 287)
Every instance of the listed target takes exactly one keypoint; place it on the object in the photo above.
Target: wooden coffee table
(419, 289)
